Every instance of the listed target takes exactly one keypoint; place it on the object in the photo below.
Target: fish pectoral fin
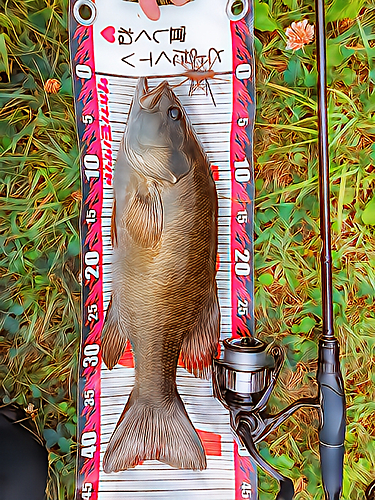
(114, 337)
(144, 217)
(200, 344)
(149, 432)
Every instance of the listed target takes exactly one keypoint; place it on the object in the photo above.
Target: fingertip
(150, 8)
(179, 2)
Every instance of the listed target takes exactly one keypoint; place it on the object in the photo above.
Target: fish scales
(164, 300)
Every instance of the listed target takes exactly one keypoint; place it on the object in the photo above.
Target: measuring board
(113, 43)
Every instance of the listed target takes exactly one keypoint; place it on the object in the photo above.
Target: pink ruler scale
(112, 44)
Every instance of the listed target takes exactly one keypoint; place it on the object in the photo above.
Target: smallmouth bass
(164, 300)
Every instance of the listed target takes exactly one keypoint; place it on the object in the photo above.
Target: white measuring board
(111, 48)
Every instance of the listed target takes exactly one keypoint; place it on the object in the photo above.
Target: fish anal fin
(113, 337)
(200, 344)
(144, 217)
(149, 432)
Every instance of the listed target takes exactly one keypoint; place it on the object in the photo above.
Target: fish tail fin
(146, 432)
(114, 337)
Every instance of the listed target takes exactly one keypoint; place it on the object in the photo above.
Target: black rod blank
(325, 223)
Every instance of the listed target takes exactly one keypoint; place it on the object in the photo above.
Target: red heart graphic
(109, 34)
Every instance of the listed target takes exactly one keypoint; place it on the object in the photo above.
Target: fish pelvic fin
(200, 344)
(144, 217)
(147, 432)
(113, 337)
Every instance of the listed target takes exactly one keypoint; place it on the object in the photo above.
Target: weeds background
(39, 207)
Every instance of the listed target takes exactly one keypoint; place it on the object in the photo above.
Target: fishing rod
(246, 370)
(329, 377)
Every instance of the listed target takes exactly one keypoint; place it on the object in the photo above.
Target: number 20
(91, 261)
(242, 266)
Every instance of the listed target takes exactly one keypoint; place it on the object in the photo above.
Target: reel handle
(286, 491)
(332, 428)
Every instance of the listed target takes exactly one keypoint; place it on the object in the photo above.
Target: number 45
(86, 491)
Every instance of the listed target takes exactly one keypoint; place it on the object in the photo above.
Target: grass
(39, 207)
(287, 247)
(40, 192)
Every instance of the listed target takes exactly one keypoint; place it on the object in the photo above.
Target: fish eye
(174, 113)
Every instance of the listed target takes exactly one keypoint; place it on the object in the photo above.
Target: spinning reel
(244, 376)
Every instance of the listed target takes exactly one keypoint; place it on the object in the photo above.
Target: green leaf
(343, 10)
(74, 247)
(334, 54)
(311, 79)
(71, 428)
(63, 406)
(285, 209)
(368, 215)
(67, 87)
(348, 76)
(348, 195)
(7, 141)
(4, 65)
(292, 4)
(59, 465)
(266, 279)
(16, 309)
(51, 437)
(64, 444)
(11, 325)
(262, 18)
(372, 154)
(29, 83)
(365, 288)
(291, 279)
(35, 391)
(305, 326)
(40, 19)
(285, 462)
(294, 71)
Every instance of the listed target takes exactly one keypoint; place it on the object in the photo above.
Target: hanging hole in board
(84, 12)
(237, 9)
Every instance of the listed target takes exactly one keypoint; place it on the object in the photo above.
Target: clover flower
(52, 86)
(299, 34)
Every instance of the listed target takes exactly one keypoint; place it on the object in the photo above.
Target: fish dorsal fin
(144, 217)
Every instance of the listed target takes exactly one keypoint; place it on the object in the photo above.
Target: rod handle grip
(331, 462)
(332, 428)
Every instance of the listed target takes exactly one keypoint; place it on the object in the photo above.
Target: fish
(164, 299)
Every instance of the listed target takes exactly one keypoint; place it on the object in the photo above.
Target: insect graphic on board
(199, 71)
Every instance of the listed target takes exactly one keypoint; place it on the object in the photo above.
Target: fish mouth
(147, 98)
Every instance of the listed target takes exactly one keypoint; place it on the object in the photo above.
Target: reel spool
(245, 373)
